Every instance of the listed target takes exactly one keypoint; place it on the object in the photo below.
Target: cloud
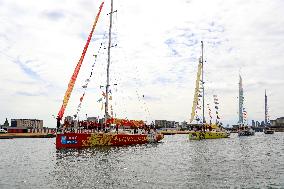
(28, 94)
(54, 15)
(26, 69)
(150, 98)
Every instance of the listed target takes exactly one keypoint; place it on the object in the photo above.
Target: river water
(236, 162)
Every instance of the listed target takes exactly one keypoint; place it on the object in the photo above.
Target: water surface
(237, 162)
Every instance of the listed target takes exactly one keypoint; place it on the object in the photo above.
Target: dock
(26, 135)
(173, 132)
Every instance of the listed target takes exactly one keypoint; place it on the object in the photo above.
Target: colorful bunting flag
(77, 69)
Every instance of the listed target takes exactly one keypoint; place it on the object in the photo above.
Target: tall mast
(241, 101)
(203, 118)
(108, 60)
(265, 108)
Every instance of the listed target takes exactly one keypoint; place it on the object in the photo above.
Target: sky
(154, 58)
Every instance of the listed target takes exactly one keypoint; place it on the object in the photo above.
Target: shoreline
(26, 135)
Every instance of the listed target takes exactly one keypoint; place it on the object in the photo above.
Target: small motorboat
(246, 132)
(268, 131)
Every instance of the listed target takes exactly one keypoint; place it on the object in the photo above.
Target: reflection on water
(241, 162)
(99, 166)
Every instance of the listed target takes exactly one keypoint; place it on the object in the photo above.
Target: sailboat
(267, 129)
(244, 129)
(113, 131)
(203, 130)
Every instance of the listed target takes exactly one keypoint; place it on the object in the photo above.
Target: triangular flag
(82, 97)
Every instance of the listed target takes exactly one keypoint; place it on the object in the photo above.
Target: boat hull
(81, 140)
(246, 133)
(268, 131)
(199, 135)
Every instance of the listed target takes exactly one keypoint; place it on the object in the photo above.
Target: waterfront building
(184, 125)
(6, 123)
(170, 124)
(93, 119)
(262, 124)
(27, 123)
(278, 124)
(161, 123)
(257, 124)
(166, 124)
(68, 119)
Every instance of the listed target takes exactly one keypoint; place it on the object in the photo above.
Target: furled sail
(195, 99)
(77, 69)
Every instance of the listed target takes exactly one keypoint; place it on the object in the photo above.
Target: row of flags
(245, 115)
(216, 107)
(198, 106)
(87, 81)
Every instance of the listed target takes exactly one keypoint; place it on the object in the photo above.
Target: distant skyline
(155, 60)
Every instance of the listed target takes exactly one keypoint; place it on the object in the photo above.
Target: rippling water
(237, 162)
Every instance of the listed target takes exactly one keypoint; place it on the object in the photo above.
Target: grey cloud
(150, 98)
(23, 93)
(54, 15)
(162, 80)
(26, 69)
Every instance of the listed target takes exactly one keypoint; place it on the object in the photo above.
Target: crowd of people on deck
(102, 127)
(202, 127)
(242, 128)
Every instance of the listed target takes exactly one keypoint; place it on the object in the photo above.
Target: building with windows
(161, 123)
(68, 119)
(278, 124)
(27, 123)
(94, 119)
(166, 124)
